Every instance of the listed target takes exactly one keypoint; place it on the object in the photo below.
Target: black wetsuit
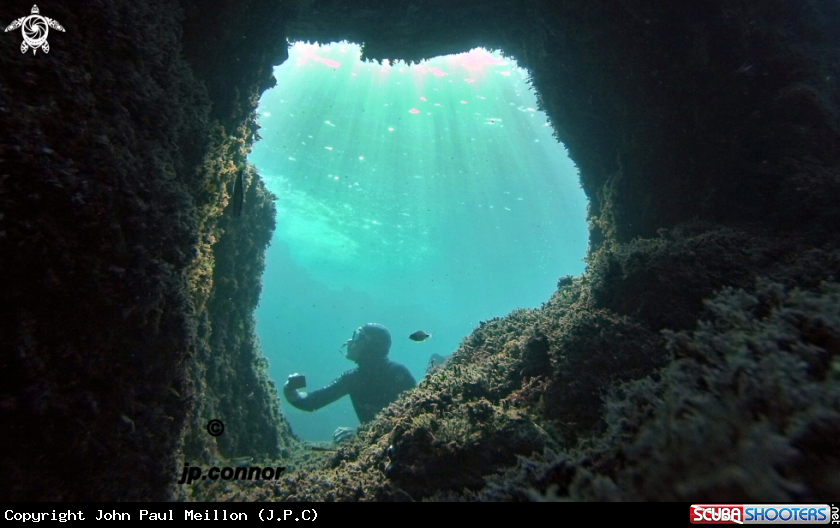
(371, 386)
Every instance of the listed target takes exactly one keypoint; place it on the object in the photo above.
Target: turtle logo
(35, 31)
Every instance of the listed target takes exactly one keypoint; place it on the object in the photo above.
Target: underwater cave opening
(427, 196)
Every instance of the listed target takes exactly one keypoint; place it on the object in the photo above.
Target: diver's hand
(290, 389)
(296, 381)
(343, 433)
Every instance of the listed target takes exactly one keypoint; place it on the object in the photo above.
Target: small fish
(242, 461)
(419, 336)
(328, 449)
(322, 447)
(435, 360)
(237, 195)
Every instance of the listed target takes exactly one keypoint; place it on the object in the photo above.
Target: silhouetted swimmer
(374, 384)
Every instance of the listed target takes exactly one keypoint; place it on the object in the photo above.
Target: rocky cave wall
(128, 282)
(707, 139)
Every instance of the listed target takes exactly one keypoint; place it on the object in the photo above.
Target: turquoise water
(425, 197)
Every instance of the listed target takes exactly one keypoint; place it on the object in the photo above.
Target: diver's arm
(315, 400)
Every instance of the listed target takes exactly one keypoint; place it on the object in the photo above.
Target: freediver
(374, 384)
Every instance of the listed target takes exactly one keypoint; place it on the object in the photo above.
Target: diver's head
(372, 341)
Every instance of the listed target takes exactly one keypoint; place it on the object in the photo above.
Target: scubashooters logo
(35, 31)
